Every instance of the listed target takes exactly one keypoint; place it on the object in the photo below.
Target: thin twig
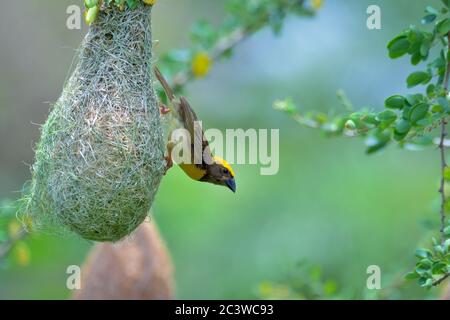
(442, 186)
(442, 152)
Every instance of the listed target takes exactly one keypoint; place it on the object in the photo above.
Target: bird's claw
(169, 164)
(163, 109)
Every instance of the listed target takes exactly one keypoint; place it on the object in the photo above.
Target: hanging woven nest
(100, 160)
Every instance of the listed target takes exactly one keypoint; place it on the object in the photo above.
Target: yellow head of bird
(221, 173)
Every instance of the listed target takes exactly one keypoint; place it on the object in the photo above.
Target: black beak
(231, 184)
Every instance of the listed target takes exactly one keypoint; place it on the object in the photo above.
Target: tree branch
(225, 44)
(229, 42)
(440, 280)
(442, 186)
(442, 152)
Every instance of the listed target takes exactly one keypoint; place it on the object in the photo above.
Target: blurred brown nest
(100, 158)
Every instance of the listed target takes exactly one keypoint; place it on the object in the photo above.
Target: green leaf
(416, 39)
(386, 117)
(92, 14)
(447, 229)
(406, 112)
(431, 90)
(276, 22)
(395, 102)
(370, 118)
(423, 253)
(377, 142)
(287, 105)
(447, 244)
(439, 249)
(413, 99)
(424, 269)
(425, 263)
(423, 272)
(428, 283)
(425, 282)
(403, 126)
(398, 46)
(90, 3)
(401, 129)
(376, 147)
(431, 10)
(418, 77)
(356, 116)
(443, 27)
(415, 35)
(350, 125)
(412, 276)
(439, 268)
(425, 47)
(429, 18)
(443, 102)
(132, 4)
(419, 112)
(416, 58)
(437, 108)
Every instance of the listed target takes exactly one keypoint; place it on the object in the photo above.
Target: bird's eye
(225, 171)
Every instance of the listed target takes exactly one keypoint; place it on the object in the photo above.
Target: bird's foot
(169, 164)
(163, 109)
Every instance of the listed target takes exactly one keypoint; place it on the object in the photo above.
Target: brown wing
(187, 116)
(190, 121)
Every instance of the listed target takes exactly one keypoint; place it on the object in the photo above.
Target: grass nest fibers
(99, 161)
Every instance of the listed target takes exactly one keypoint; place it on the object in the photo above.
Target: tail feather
(164, 84)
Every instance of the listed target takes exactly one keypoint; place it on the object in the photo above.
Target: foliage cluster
(413, 120)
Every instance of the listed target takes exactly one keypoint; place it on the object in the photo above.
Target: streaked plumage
(212, 169)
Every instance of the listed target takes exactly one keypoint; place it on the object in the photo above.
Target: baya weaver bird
(212, 169)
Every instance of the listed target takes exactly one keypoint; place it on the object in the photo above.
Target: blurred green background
(330, 204)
